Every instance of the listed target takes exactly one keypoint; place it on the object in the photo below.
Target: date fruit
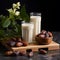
(42, 51)
(19, 44)
(8, 53)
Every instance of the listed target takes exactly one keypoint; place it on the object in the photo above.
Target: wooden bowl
(43, 41)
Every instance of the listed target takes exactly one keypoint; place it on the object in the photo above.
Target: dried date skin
(16, 53)
(19, 44)
(8, 53)
(29, 52)
(50, 34)
(25, 43)
(44, 31)
(41, 51)
(12, 43)
(44, 34)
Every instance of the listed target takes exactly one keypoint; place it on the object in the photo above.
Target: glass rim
(35, 13)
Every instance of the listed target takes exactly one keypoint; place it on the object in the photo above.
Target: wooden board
(52, 46)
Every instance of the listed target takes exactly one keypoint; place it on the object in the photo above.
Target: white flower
(17, 13)
(18, 7)
(18, 3)
(14, 5)
(14, 10)
(10, 10)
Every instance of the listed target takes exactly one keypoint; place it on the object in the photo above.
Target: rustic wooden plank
(52, 46)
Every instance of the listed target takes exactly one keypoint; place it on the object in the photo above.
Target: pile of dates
(17, 42)
(45, 37)
(28, 53)
(45, 34)
(13, 53)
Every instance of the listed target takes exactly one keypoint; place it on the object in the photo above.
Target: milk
(36, 19)
(27, 32)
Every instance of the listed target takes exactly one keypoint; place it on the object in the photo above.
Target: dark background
(49, 10)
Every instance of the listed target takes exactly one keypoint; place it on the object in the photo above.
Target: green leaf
(2, 17)
(2, 33)
(19, 29)
(24, 14)
(6, 23)
(13, 22)
(16, 29)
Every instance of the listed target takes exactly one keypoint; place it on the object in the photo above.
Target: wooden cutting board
(52, 46)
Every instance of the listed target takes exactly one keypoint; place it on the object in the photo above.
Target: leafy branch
(24, 14)
(8, 24)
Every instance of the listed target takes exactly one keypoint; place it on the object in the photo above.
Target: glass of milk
(36, 19)
(27, 31)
